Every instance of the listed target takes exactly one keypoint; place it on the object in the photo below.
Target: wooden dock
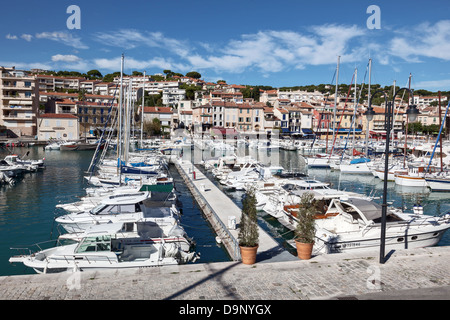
(219, 208)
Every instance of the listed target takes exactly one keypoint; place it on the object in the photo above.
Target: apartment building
(292, 96)
(93, 115)
(19, 101)
(57, 126)
(424, 101)
(163, 114)
(170, 90)
(55, 83)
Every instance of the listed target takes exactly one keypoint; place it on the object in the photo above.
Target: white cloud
(26, 65)
(130, 39)
(275, 51)
(65, 58)
(63, 37)
(134, 64)
(11, 37)
(426, 40)
(26, 37)
(434, 85)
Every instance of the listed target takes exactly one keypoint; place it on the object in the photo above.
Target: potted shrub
(306, 227)
(248, 229)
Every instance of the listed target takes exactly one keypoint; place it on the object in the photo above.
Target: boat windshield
(97, 209)
(115, 209)
(94, 244)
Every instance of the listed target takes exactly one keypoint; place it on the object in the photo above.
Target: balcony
(18, 108)
(14, 76)
(19, 117)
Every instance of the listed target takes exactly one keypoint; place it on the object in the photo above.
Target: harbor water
(27, 209)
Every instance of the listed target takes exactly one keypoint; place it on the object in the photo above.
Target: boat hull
(409, 181)
(400, 241)
(438, 184)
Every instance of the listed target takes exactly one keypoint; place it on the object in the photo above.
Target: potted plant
(306, 227)
(248, 229)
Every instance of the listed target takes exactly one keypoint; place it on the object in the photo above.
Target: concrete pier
(407, 274)
(218, 207)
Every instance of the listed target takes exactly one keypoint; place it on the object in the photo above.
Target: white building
(19, 101)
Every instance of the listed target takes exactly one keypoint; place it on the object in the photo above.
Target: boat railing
(37, 247)
(75, 257)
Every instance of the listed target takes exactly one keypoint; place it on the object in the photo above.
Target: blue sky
(276, 43)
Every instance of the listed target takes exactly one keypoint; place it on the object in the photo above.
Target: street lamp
(412, 113)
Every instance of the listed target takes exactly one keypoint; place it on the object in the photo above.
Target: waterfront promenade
(408, 274)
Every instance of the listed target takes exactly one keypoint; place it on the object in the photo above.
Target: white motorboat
(23, 166)
(290, 193)
(102, 248)
(354, 225)
(321, 160)
(439, 181)
(14, 159)
(358, 165)
(123, 208)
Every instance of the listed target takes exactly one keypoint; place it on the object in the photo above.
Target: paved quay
(408, 274)
(218, 207)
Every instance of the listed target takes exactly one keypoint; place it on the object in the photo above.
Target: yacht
(439, 181)
(102, 247)
(123, 208)
(355, 224)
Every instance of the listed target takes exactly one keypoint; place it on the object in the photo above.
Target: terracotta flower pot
(248, 254)
(304, 250)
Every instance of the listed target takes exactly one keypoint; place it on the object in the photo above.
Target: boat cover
(369, 209)
(359, 160)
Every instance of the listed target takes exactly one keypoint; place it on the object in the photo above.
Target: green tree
(151, 100)
(190, 90)
(110, 77)
(94, 74)
(193, 74)
(153, 128)
(415, 127)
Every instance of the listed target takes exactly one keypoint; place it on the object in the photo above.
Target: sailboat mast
(335, 100)
(353, 125)
(142, 111)
(406, 127)
(119, 128)
(367, 122)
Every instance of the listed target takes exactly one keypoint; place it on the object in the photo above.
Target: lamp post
(412, 113)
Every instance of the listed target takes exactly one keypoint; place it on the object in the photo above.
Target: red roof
(157, 110)
(58, 116)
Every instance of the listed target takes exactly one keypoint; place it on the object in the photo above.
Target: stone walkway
(338, 276)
